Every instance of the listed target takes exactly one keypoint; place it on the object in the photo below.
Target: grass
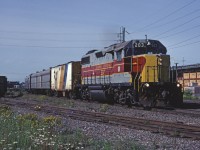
(14, 92)
(104, 108)
(189, 95)
(43, 99)
(27, 131)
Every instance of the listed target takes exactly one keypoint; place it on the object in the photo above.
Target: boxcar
(63, 78)
(40, 82)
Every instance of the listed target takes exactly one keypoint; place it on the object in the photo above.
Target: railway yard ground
(95, 125)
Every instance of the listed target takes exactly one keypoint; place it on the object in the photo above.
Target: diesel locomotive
(135, 72)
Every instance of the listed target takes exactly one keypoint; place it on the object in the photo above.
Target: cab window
(119, 55)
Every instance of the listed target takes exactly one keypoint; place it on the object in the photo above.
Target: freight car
(132, 72)
(39, 82)
(56, 81)
(64, 77)
(3, 85)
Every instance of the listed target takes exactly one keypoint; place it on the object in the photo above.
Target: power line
(174, 20)
(182, 31)
(37, 46)
(186, 44)
(58, 33)
(177, 26)
(163, 18)
(141, 19)
(184, 41)
(10, 38)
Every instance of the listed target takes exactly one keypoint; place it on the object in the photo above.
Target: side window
(99, 54)
(85, 60)
(119, 55)
(113, 56)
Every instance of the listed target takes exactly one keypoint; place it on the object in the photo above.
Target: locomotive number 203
(139, 45)
(144, 45)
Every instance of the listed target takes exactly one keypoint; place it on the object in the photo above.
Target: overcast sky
(38, 34)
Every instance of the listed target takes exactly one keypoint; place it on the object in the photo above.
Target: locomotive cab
(154, 85)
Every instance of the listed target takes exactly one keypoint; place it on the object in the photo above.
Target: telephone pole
(121, 35)
(176, 71)
(183, 61)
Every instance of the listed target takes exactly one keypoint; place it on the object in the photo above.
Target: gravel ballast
(114, 134)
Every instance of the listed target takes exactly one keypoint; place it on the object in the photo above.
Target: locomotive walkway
(167, 128)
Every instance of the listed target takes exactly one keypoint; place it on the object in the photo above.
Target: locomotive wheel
(150, 103)
(85, 95)
(70, 95)
(56, 94)
(49, 93)
(122, 98)
(147, 102)
(133, 99)
(116, 98)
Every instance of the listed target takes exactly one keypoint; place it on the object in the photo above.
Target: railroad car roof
(126, 44)
(64, 64)
(193, 66)
(40, 72)
(129, 44)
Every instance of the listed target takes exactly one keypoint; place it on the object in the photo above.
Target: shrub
(187, 94)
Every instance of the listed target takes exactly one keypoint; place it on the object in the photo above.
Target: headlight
(178, 85)
(147, 84)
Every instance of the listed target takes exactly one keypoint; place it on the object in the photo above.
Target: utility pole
(121, 35)
(146, 43)
(176, 71)
(183, 61)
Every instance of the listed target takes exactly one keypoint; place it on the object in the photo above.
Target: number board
(142, 44)
(139, 44)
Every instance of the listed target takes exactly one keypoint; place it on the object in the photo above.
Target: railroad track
(169, 110)
(167, 128)
(191, 113)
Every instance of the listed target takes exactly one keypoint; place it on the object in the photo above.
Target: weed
(71, 104)
(176, 133)
(189, 95)
(18, 132)
(42, 97)
(5, 111)
(52, 120)
(104, 107)
(27, 131)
